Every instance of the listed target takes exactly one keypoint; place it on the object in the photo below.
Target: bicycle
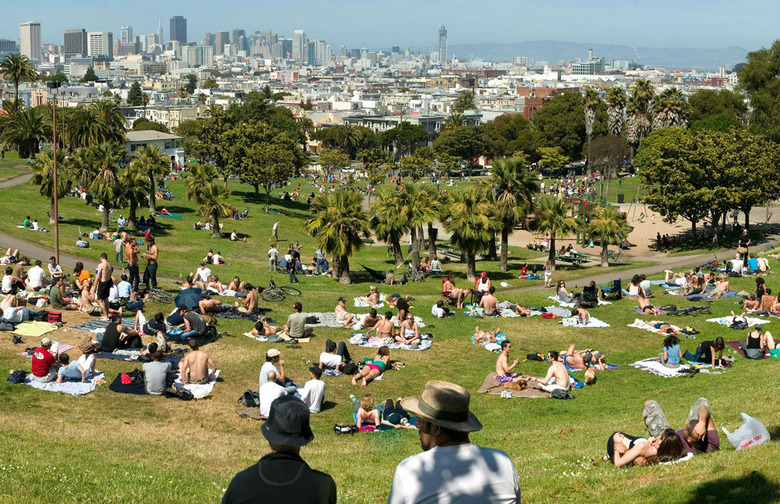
(693, 310)
(160, 295)
(414, 275)
(278, 293)
(618, 256)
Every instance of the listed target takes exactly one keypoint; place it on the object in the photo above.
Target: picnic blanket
(234, 313)
(592, 322)
(653, 366)
(135, 387)
(476, 312)
(735, 345)
(324, 319)
(575, 305)
(597, 368)
(55, 349)
(74, 388)
(98, 326)
(558, 311)
(362, 304)
(492, 386)
(133, 355)
(170, 216)
(701, 297)
(648, 326)
(199, 391)
(490, 347)
(359, 340)
(360, 318)
(34, 329)
(751, 321)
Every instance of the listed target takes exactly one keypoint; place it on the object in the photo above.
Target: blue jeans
(189, 334)
(320, 264)
(271, 264)
(120, 256)
(293, 278)
(28, 314)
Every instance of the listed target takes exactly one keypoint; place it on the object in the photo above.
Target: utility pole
(53, 85)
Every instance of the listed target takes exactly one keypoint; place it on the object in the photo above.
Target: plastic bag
(751, 433)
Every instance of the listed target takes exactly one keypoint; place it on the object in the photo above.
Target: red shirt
(41, 361)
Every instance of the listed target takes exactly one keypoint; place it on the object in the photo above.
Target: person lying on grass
(645, 307)
(721, 287)
(623, 449)
(263, 328)
(486, 336)
(583, 359)
(375, 368)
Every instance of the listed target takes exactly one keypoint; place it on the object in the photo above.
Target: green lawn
(11, 166)
(113, 448)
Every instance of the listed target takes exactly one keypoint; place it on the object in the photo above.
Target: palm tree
(470, 224)
(438, 201)
(552, 218)
(515, 190)
(212, 202)
(80, 167)
(26, 128)
(338, 225)
(610, 226)
(105, 181)
(454, 120)
(133, 182)
(616, 99)
(305, 129)
(643, 93)
(592, 100)
(200, 177)
(111, 121)
(349, 138)
(637, 125)
(417, 212)
(670, 110)
(151, 161)
(17, 68)
(43, 175)
(387, 222)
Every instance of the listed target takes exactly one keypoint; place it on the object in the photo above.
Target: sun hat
(395, 295)
(273, 353)
(444, 404)
(288, 423)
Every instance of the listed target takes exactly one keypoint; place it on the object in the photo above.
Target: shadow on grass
(753, 487)
(729, 240)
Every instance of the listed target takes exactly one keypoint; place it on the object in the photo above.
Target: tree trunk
(104, 224)
(431, 242)
(604, 254)
(152, 194)
(131, 216)
(471, 267)
(215, 233)
(551, 255)
(415, 249)
(746, 211)
(693, 231)
(587, 162)
(344, 270)
(267, 198)
(504, 249)
(723, 225)
(398, 256)
(492, 252)
(715, 220)
(421, 239)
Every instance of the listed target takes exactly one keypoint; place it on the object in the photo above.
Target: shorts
(374, 366)
(494, 314)
(551, 385)
(507, 378)
(656, 421)
(104, 288)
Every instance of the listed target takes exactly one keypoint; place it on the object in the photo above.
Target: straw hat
(444, 404)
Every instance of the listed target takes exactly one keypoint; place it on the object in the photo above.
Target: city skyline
(663, 23)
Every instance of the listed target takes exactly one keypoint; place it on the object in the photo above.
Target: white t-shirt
(312, 394)
(55, 271)
(217, 259)
(437, 312)
(268, 392)
(35, 277)
(203, 274)
(7, 283)
(462, 474)
(13, 314)
(736, 265)
(330, 360)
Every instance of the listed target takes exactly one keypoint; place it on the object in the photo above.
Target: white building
(169, 144)
(100, 44)
(30, 40)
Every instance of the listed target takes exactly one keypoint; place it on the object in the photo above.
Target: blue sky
(378, 24)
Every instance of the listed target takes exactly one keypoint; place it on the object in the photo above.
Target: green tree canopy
(135, 94)
(191, 83)
(610, 227)
(144, 124)
(404, 137)
(471, 222)
(760, 79)
(464, 143)
(90, 75)
(560, 123)
(707, 103)
(464, 102)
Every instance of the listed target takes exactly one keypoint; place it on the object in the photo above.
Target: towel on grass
(98, 326)
(735, 346)
(699, 297)
(135, 387)
(608, 367)
(648, 326)
(362, 304)
(558, 311)
(199, 391)
(170, 216)
(575, 305)
(751, 321)
(491, 385)
(653, 366)
(74, 388)
(133, 355)
(359, 340)
(34, 329)
(55, 349)
(575, 322)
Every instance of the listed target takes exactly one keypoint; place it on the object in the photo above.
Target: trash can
(620, 198)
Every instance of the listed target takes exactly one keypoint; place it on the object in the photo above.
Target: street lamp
(53, 86)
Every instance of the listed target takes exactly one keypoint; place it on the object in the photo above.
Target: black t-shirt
(281, 477)
(706, 351)
(110, 340)
(402, 304)
(743, 240)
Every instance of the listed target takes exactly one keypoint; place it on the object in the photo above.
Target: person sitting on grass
(385, 328)
(248, 303)
(236, 285)
(672, 353)
(504, 372)
(372, 318)
(197, 366)
(581, 315)
(751, 303)
(234, 237)
(296, 323)
(194, 325)
(440, 311)
(367, 417)
(118, 337)
(343, 317)
(409, 333)
(489, 303)
(372, 298)
(214, 285)
(313, 391)
(623, 449)
(374, 368)
(334, 357)
(81, 369)
(59, 301)
(755, 343)
(721, 287)
(705, 353)
(156, 373)
(557, 377)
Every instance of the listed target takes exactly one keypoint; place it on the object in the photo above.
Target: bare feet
(364, 383)
(354, 381)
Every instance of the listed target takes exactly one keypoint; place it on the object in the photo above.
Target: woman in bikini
(385, 327)
(452, 293)
(410, 332)
(486, 336)
(373, 369)
(721, 287)
(623, 449)
(86, 297)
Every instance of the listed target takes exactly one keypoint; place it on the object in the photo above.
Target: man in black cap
(282, 475)
(343, 317)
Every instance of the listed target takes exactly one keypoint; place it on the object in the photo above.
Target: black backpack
(209, 332)
(349, 368)
(561, 394)
(250, 399)
(17, 376)
(183, 394)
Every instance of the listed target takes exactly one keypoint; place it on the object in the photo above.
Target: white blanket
(652, 365)
(575, 322)
(74, 388)
(360, 317)
(751, 321)
(199, 391)
(648, 326)
(363, 304)
(574, 305)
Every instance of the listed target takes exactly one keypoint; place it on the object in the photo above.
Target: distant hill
(552, 52)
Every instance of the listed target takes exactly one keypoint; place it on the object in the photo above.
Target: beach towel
(751, 321)
(735, 345)
(134, 354)
(608, 367)
(34, 329)
(359, 340)
(55, 349)
(648, 326)
(98, 326)
(558, 311)
(491, 385)
(701, 297)
(170, 216)
(653, 366)
(575, 322)
(363, 304)
(575, 305)
(135, 387)
(199, 391)
(74, 388)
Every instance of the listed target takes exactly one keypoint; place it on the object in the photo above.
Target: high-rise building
(443, 45)
(198, 55)
(178, 29)
(30, 40)
(159, 32)
(100, 44)
(207, 40)
(220, 39)
(75, 42)
(299, 45)
(7, 46)
(126, 35)
(237, 39)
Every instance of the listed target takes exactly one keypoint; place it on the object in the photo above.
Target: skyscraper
(30, 40)
(75, 42)
(159, 32)
(299, 47)
(126, 35)
(237, 39)
(443, 45)
(220, 39)
(208, 40)
(100, 44)
(179, 29)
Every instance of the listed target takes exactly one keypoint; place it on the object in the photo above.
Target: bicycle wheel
(290, 291)
(272, 295)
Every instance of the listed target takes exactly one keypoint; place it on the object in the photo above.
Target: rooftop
(148, 136)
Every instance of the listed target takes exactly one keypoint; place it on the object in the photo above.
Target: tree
(212, 204)
(417, 211)
(200, 176)
(470, 224)
(465, 101)
(89, 76)
(388, 222)
(439, 202)
(404, 137)
(616, 102)
(608, 153)
(26, 128)
(150, 161)
(552, 158)
(210, 83)
(416, 166)
(592, 100)
(135, 94)
(101, 122)
(560, 123)
(59, 77)
(333, 159)
(454, 120)
(349, 138)
(552, 218)
(515, 190)
(191, 84)
(105, 185)
(338, 225)
(721, 122)
(760, 80)
(143, 124)
(43, 175)
(707, 103)
(447, 164)
(305, 129)
(670, 109)
(133, 182)
(464, 143)
(610, 227)
(17, 68)
(507, 134)
(637, 125)
(375, 163)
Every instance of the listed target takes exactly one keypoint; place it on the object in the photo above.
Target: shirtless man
(721, 287)
(131, 253)
(262, 328)
(103, 283)
(208, 305)
(557, 377)
(195, 365)
(503, 369)
(385, 328)
(373, 296)
(583, 359)
(151, 255)
(249, 303)
(236, 285)
(486, 335)
(489, 302)
(343, 317)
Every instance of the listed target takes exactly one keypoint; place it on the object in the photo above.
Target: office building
(221, 38)
(75, 42)
(207, 40)
(178, 29)
(30, 40)
(159, 38)
(198, 55)
(443, 45)
(7, 46)
(126, 35)
(299, 45)
(238, 35)
(100, 44)
(590, 67)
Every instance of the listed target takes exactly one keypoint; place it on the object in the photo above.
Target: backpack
(210, 332)
(350, 368)
(250, 399)
(561, 394)
(183, 394)
(740, 324)
(17, 376)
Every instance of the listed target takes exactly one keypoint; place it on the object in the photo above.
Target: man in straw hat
(282, 475)
(451, 469)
